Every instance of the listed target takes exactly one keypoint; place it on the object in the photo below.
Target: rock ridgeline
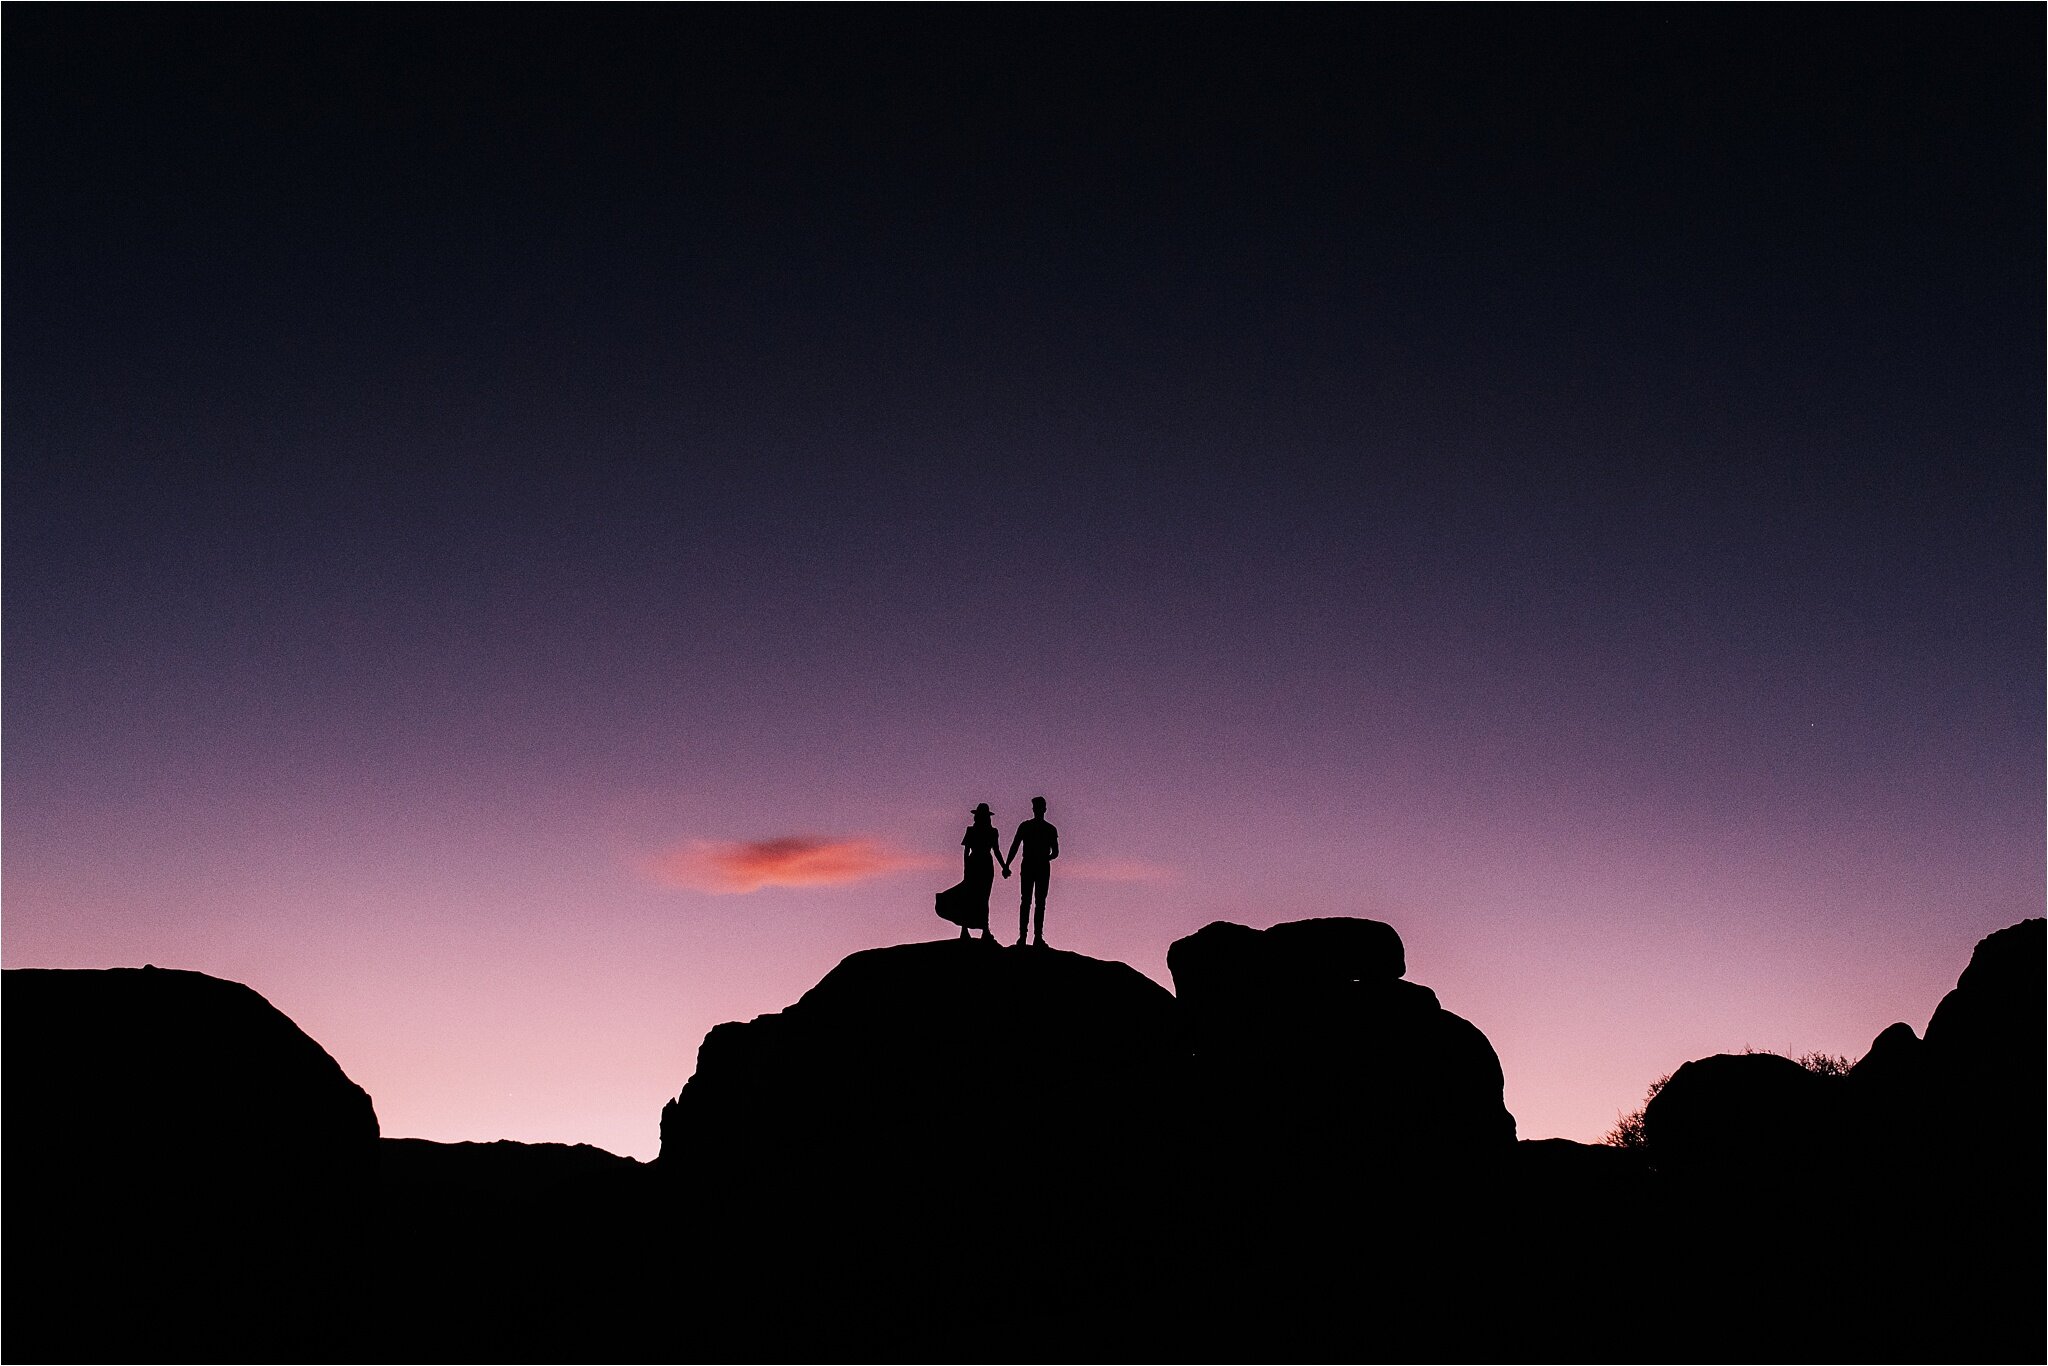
(1072, 1119)
(100, 1060)
(921, 1057)
(1308, 1027)
(1914, 1183)
(950, 1149)
(1966, 1098)
(181, 1159)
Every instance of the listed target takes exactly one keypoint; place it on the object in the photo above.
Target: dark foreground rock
(997, 1153)
(187, 1173)
(1305, 1038)
(952, 1151)
(1987, 1037)
(921, 1062)
(927, 1143)
(1908, 1195)
(1752, 1118)
(514, 1252)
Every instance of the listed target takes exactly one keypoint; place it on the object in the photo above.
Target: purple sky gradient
(1570, 487)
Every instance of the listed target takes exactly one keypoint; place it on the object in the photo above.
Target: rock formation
(1306, 1034)
(1748, 1117)
(1344, 1132)
(950, 1150)
(1910, 1191)
(516, 1252)
(1985, 1051)
(180, 1159)
(909, 1062)
(1968, 1096)
(949, 1121)
(146, 1073)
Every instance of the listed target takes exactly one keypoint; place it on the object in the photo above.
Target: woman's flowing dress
(966, 903)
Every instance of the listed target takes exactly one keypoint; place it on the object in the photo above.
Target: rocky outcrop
(513, 1174)
(922, 1059)
(1986, 1047)
(933, 1134)
(1894, 1056)
(157, 1081)
(1304, 1034)
(1968, 1096)
(1225, 967)
(1911, 1188)
(516, 1252)
(950, 1150)
(186, 1171)
(1748, 1117)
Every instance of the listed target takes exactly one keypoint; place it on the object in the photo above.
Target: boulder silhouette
(1892, 1117)
(1898, 1110)
(506, 1178)
(1343, 947)
(1909, 1191)
(1894, 1056)
(929, 1115)
(1752, 1117)
(560, 1232)
(1985, 1044)
(899, 1053)
(950, 1150)
(1981, 1058)
(1956, 1130)
(173, 1085)
(183, 1165)
(1306, 1033)
(1329, 1096)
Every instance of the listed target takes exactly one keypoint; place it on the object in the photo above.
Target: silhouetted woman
(966, 905)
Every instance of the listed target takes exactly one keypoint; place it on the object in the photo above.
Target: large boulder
(1968, 1095)
(1986, 1039)
(559, 1233)
(932, 1057)
(187, 1172)
(1911, 1189)
(1896, 1056)
(1306, 1037)
(919, 1059)
(1345, 1131)
(1743, 1117)
(147, 1078)
(927, 1116)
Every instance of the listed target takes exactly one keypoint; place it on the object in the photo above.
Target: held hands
(1006, 870)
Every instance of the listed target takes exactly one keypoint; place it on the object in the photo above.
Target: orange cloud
(789, 861)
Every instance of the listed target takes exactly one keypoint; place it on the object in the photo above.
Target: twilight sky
(527, 529)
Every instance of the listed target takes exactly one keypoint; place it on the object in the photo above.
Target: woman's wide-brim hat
(981, 810)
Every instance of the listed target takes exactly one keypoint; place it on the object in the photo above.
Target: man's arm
(1015, 840)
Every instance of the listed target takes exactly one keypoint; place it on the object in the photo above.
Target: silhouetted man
(1041, 841)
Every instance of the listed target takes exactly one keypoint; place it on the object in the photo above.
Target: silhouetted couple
(966, 905)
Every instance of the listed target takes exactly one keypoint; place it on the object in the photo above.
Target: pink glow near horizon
(481, 985)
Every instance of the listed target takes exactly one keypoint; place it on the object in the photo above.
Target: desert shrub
(1821, 1064)
(1628, 1129)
